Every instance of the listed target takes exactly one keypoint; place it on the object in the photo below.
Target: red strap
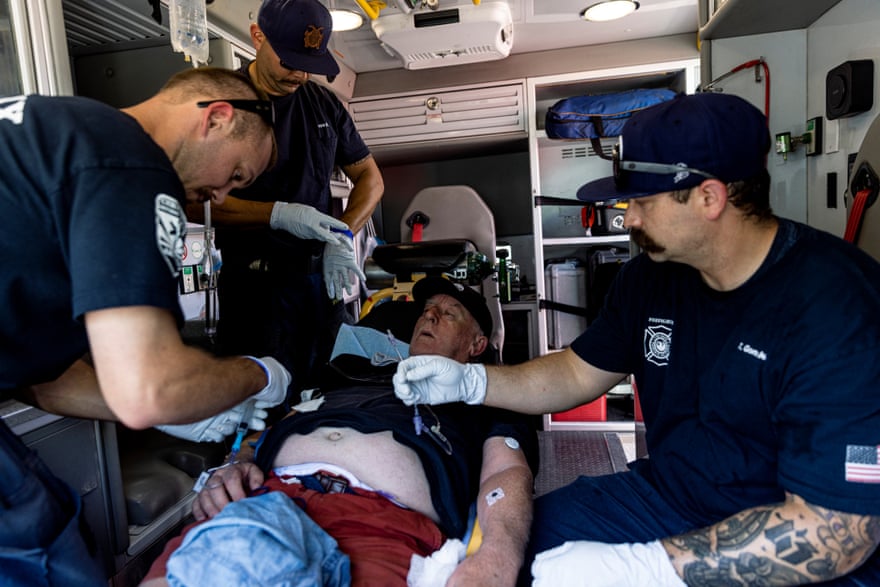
(588, 216)
(854, 222)
(417, 232)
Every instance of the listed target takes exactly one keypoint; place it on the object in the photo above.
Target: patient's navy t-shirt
(768, 388)
(454, 478)
(92, 218)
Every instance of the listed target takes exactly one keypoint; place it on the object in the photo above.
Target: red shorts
(378, 536)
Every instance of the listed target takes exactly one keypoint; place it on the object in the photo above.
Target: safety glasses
(623, 168)
(262, 107)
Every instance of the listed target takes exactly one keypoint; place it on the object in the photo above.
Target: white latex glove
(218, 427)
(596, 564)
(275, 391)
(433, 379)
(306, 222)
(339, 265)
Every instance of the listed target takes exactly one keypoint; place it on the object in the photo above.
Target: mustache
(645, 242)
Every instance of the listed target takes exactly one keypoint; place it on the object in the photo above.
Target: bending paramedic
(395, 491)
(752, 340)
(91, 202)
(286, 261)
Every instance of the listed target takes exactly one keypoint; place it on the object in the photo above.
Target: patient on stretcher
(385, 481)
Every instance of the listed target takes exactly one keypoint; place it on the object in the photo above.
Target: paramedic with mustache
(753, 340)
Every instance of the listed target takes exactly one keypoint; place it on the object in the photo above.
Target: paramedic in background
(363, 432)
(286, 262)
(753, 340)
(91, 203)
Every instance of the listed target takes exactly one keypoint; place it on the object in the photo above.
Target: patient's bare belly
(376, 459)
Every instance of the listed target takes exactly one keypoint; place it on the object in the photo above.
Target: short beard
(645, 242)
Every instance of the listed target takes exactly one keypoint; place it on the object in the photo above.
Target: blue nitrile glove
(596, 564)
(306, 222)
(340, 267)
(433, 379)
(218, 427)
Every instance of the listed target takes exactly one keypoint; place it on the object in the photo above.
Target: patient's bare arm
(791, 543)
(504, 511)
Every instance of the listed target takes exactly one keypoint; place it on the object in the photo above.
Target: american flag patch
(862, 463)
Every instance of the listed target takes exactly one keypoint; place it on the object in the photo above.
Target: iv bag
(188, 27)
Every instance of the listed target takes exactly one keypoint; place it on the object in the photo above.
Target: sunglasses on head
(264, 108)
(622, 168)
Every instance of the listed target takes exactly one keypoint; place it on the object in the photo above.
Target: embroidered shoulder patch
(170, 231)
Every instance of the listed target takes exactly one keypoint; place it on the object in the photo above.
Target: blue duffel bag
(601, 115)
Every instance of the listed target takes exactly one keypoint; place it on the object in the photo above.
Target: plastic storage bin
(595, 411)
(565, 283)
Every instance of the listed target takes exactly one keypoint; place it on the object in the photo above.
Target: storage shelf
(559, 167)
(737, 18)
(587, 240)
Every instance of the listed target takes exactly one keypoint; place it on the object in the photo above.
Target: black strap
(554, 201)
(596, 142)
(560, 307)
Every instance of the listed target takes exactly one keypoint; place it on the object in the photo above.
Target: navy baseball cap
(298, 31)
(468, 297)
(682, 142)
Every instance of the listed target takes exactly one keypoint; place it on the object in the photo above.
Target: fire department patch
(658, 340)
(313, 37)
(170, 231)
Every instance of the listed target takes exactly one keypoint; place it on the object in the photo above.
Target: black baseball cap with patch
(472, 300)
(298, 31)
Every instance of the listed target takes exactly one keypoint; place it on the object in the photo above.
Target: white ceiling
(539, 25)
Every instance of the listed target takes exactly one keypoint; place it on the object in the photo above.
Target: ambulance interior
(474, 129)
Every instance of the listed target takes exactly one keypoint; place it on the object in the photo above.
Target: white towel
(435, 570)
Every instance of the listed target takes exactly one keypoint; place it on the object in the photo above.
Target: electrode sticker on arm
(494, 496)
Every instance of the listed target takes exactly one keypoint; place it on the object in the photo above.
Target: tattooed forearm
(747, 569)
(790, 543)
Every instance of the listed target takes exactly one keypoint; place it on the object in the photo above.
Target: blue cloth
(369, 343)
(40, 539)
(263, 540)
(99, 206)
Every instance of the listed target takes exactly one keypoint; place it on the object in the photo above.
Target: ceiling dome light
(345, 20)
(609, 10)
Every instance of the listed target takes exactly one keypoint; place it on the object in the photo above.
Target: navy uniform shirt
(314, 133)
(768, 388)
(92, 218)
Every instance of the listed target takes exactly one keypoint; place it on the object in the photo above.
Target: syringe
(242, 429)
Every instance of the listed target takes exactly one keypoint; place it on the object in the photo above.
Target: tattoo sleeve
(791, 543)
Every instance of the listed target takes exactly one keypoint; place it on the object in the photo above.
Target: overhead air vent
(470, 33)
